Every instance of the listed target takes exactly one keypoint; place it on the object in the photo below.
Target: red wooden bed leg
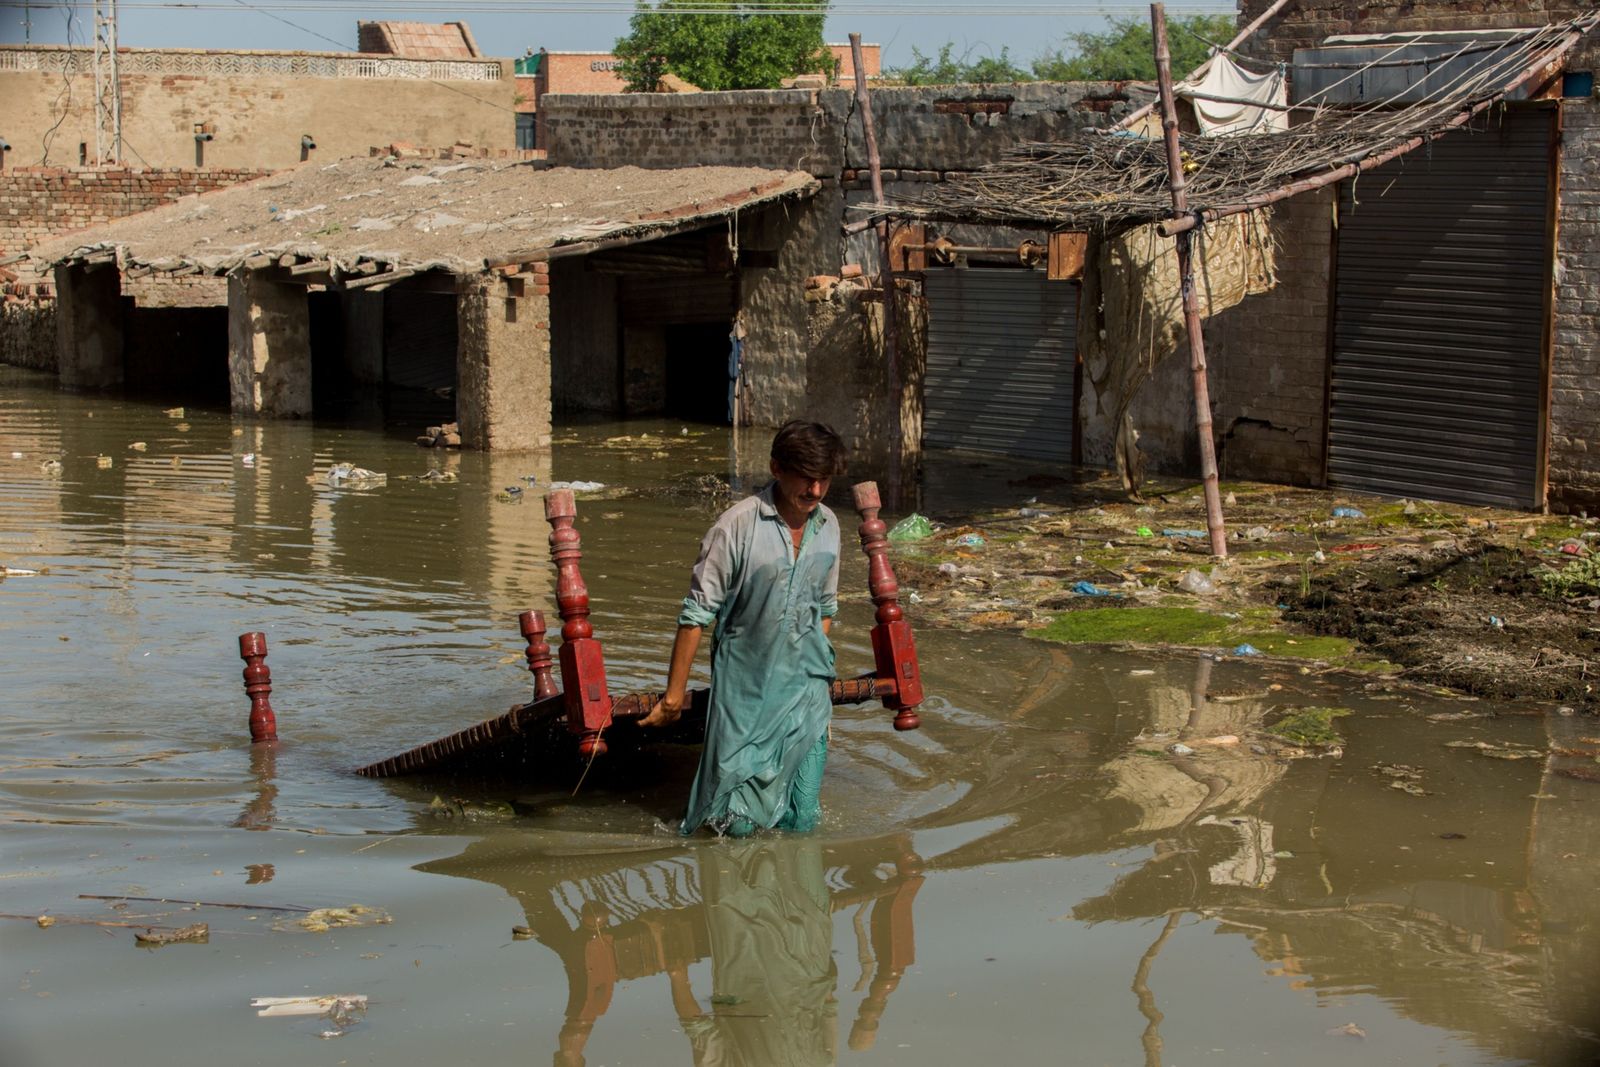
(258, 686)
(538, 653)
(583, 668)
(893, 650)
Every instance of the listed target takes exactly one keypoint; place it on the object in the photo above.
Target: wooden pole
(1191, 305)
(891, 327)
(1200, 71)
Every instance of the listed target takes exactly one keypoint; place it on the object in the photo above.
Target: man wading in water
(768, 577)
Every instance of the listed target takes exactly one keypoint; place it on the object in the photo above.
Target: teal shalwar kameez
(771, 667)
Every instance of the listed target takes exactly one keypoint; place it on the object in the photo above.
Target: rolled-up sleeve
(708, 586)
(830, 587)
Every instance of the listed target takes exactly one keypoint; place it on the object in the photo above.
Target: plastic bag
(911, 528)
(1194, 582)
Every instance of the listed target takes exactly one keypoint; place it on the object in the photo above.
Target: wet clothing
(771, 667)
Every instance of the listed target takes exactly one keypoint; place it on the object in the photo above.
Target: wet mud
(1490, 602)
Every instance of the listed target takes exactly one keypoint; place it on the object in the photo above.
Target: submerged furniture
(581, 714)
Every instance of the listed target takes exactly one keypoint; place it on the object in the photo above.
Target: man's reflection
(762, 912)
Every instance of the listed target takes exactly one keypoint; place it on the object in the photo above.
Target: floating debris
(349, 476)
(1499, 750)
(197, 934)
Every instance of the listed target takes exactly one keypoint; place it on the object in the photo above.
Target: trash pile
(1495, 602)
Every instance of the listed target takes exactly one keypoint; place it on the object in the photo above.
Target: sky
(1027, 28)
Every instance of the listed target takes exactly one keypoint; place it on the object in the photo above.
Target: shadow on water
(1037, 869)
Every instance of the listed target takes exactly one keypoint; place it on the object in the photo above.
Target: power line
(935, 8)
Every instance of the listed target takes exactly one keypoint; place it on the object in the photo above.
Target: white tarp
(1242, 94)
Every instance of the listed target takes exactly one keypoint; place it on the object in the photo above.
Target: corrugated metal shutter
(1001, 352)
(1439, 319)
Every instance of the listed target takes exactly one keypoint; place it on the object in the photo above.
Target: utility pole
(27, 22)
(1191, 305)
(107, 84)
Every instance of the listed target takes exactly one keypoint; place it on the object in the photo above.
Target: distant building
(419, 40)
(424, 84)
(545, 71)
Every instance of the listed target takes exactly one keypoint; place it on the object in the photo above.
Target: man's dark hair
(811, 449)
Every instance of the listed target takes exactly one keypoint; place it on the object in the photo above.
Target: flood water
(1031, 877)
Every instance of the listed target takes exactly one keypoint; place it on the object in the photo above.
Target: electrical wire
(66, 90)
(839, 8)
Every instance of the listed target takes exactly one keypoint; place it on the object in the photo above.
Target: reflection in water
(761, 911)
(1462, 914)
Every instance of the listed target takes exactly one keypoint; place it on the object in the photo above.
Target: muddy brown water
(1031, 877)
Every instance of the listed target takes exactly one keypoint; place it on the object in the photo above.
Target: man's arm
(668, 709)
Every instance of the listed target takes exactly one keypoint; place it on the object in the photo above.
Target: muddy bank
(1496, 603)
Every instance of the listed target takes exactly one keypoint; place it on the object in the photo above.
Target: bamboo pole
(891, 327)
(1191, 305)
(1174, 226)
(1199, 72)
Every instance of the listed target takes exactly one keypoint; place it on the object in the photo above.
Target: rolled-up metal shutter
(1443, 264)
(1001, 352)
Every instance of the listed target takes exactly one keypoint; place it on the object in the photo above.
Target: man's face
(802, 491)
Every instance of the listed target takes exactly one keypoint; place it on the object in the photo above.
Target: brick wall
(1268, 356)
(922, 129)
(575, 72)
(1574, 479)
(844, 67)
(37, 202)
(781, 129)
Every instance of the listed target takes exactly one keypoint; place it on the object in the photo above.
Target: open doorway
(697, 371)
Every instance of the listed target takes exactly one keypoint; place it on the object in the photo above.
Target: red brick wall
(38, 202)
(871, 58)
(573, 72)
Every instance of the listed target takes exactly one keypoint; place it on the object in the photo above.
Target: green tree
(734, 47)
(946, 69)
(1126, 50)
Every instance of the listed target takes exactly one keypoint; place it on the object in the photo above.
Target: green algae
(1311, 727)
(1186, 626)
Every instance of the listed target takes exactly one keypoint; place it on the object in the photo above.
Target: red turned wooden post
(538, 653)
(893, 650)
(258, 686)
(583, 668)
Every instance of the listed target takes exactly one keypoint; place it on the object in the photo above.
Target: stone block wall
(1574, 458)
(28, 334)
(782, 129)
(921, 130)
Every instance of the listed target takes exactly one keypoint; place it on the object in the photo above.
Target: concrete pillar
(503, 361)
(269, 347)
(89, 327)
(363, 335)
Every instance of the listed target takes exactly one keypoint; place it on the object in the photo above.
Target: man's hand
(669, 708)
(666, 711)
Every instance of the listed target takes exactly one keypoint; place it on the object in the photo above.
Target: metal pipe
(1191, 305)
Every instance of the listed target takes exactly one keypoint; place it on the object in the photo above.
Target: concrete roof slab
(462, 216)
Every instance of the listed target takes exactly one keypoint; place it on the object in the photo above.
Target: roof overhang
(359, 218)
